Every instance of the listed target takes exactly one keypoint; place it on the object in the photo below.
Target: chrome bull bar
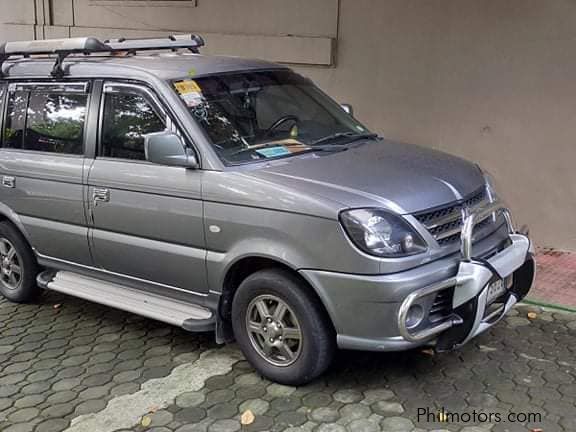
(472, 279)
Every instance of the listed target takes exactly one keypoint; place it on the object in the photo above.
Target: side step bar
(190, 317)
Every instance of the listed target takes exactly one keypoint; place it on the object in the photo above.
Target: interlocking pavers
(59, 364)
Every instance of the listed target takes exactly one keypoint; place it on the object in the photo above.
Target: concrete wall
(491, 80)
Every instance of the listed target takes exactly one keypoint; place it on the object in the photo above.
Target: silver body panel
(177, 232)
(153, 217)
(48, 197)
(376, 174)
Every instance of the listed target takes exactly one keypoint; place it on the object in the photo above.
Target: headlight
(380, 233)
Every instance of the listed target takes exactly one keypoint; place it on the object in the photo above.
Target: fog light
(415, 316)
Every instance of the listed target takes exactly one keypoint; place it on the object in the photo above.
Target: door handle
(8, 181)
(101, 195)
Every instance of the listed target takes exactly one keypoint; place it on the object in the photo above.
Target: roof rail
(62, 48)
(191, 42)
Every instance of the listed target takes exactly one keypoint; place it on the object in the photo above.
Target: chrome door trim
(101, 270)
(9, 181)
(101, 195)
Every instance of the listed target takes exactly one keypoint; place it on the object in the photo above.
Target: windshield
(254, 116)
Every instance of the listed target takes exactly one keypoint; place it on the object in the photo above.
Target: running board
(190, 317)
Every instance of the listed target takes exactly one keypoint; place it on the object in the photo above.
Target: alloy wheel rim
(10, 265)
(274, 330)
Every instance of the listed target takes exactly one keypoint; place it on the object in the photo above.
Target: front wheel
(281, 328)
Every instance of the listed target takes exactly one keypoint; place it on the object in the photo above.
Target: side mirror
(348, 108)
(167, 148)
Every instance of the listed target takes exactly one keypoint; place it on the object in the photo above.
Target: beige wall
(491, 80)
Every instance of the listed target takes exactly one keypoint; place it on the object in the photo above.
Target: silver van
(232, 195)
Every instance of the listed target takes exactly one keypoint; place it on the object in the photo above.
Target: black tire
(25, 289)
(318, 340)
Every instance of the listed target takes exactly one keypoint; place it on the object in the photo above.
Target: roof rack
(62, 48)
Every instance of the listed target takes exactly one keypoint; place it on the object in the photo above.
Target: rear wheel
(18, 267)
(281, 328)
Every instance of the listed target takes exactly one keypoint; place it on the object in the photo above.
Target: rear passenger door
(42, 164)
(146, 218)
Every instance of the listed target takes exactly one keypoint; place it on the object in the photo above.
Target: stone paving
(66, 364)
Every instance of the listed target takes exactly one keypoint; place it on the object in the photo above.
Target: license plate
(496, 289)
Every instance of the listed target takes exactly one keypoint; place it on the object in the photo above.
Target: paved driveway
(70, 365)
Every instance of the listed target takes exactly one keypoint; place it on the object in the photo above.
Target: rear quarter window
(45, 120)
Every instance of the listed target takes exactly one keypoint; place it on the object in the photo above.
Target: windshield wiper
(353, 136)
(315, 145)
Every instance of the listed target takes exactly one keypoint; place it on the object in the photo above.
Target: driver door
(146, 219)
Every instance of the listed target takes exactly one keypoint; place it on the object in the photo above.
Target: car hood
(403, 178)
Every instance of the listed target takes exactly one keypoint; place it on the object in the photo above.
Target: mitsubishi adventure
(233, 195)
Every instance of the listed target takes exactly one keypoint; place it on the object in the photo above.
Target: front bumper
(472, 312)
(371, 312)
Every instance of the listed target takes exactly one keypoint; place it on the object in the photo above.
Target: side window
(128, 117)
(15, 120)
(55, 123)
(46, 121)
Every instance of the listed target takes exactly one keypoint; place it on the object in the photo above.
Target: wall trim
(297, 50)
(145, 3)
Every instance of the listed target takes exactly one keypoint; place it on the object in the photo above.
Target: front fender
(219, 264)
(296, 240)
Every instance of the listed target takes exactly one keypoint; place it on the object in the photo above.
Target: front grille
(445, 224)
(442, 307)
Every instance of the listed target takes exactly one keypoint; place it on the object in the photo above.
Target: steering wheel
(280, 122)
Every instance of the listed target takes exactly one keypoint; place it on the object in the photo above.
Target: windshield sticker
(188, 86)
(190, 92)
(280, 148)
(273, 151)
(192, 100)
(293, 145)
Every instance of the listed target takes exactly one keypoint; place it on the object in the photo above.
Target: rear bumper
(370, 312)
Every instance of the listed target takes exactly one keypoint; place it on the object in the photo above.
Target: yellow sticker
(188, 86)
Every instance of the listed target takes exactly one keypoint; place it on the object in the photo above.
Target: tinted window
(45, 121)
(128, 117)
(15, 120)
(55, 123)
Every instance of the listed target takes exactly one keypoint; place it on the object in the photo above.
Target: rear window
(46, 121)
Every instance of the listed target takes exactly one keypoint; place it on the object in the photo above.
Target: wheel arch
(239, 270)
(9, 215)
